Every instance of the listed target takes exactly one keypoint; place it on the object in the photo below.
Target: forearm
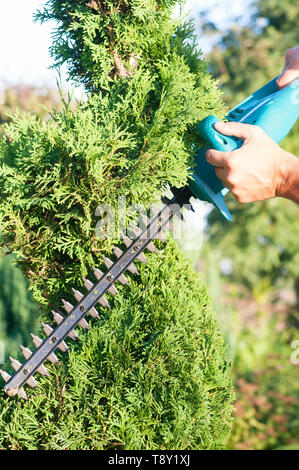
(289, 186)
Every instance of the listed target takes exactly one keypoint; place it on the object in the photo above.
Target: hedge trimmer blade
(45, 349)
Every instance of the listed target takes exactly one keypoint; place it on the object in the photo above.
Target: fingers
(217, 158)
(222, 174)
(291, 68)
(235, 129)
(286, 77)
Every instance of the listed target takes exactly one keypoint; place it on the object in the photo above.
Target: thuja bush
(152, 373)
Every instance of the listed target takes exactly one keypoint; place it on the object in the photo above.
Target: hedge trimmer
(273, 110)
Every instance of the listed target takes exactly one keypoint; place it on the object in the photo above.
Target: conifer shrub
(152, 372)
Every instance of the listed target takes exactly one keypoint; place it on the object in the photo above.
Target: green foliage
(262, 242)
(259, 338)
(130, 139)
(262, 246)
(99, 40)
(151, 374)
(266, 383)
(17, 309)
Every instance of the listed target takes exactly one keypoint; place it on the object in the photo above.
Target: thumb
(286, 77)
(235, 129)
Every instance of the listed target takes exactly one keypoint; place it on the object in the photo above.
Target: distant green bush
(267, 406)
(18, 310)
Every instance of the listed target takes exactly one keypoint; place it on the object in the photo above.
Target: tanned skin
(260, 169)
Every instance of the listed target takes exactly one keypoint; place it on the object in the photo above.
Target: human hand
(255, 171)
(291, 68)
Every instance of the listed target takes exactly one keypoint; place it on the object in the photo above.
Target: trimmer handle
(270, 108)
(215, 139)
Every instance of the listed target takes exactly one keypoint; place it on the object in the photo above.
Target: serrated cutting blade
(45, 349)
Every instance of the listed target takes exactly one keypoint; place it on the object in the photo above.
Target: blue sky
(24, 45)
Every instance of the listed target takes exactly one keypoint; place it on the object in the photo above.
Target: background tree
(152, 373)
(250, 57)
(18, 310)
(254, 260)
(32, 99)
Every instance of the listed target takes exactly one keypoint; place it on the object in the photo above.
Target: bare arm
(289, 187)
